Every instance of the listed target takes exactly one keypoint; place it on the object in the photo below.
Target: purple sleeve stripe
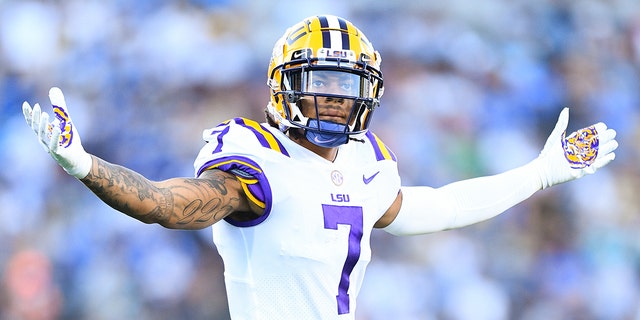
(245, 169)
(266, 138)
(381, 150)
(256, 193)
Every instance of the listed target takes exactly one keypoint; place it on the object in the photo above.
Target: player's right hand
(59, 137)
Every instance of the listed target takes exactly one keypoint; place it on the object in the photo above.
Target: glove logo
(581, 147)
(66, 128)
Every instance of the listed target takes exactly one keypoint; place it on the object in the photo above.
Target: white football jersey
(305, 257)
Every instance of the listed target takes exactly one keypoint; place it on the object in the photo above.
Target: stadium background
(472, 88)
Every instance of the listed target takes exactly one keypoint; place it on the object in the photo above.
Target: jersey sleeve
(238, 146)
(380, 153)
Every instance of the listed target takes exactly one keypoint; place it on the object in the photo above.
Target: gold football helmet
(324, 58)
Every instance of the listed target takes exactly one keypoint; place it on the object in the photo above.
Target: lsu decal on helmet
(581, 147)
(324, 57)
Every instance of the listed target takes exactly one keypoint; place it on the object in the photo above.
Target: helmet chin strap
(326, 139)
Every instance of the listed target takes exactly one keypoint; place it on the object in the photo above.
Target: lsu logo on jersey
(340, 197)
(581, 147)
(66, 128)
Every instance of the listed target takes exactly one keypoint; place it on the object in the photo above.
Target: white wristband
(82, 167)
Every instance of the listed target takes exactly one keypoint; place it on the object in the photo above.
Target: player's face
(330, 108)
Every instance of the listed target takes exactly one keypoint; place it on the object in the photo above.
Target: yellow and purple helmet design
(324, 44)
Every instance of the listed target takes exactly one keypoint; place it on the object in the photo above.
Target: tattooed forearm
(175, 203)
(127, 191)
(216, 206)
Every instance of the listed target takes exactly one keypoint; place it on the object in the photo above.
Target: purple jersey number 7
(351, 216)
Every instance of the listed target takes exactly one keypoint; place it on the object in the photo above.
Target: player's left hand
(59, 137)
(566, 158)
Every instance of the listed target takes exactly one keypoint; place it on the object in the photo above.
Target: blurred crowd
(471, 88)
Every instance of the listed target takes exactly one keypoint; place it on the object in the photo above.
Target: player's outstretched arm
(177, 203)
(182, 203)
(563, 158)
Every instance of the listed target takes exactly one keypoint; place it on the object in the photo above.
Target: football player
(292, 201)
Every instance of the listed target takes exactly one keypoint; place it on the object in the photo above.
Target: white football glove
(59, 137)
(583, 152)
